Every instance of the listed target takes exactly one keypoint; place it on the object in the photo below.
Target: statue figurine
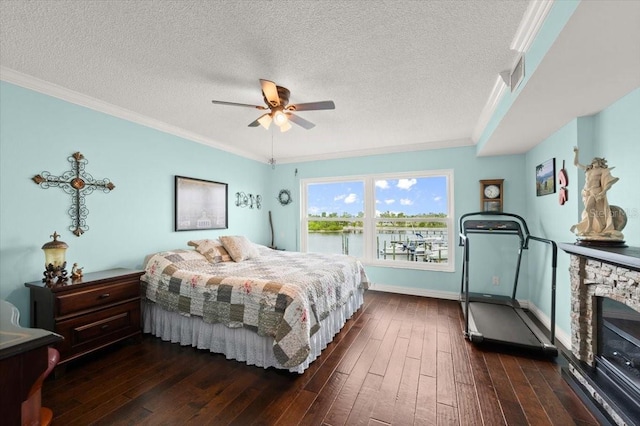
(76, 273)
(600, 221)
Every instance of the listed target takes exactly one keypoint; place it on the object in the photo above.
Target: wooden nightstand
(91, 313)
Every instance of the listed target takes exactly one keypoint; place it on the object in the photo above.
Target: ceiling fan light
(280, 118)
(265, 121)
(285, 126)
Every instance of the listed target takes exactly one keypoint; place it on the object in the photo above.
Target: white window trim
(370, 220)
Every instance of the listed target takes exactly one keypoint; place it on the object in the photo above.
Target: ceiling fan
(280, 112)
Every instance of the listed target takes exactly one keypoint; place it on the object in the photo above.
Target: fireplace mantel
(623, 256)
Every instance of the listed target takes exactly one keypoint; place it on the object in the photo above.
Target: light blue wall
(549, 219)
(38, 133)
(613, 134)
(468, 170)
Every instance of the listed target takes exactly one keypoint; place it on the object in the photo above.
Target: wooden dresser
(91, 313)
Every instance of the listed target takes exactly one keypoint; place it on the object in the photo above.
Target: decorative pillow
(211, 249)
(239, 247)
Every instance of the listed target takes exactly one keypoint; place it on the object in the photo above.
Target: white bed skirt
(239, 343)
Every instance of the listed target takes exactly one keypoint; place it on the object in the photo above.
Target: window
(400, 220)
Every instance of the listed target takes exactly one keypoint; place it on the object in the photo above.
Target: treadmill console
(507, 226)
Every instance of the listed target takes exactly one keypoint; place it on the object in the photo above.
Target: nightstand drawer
(96, 296)
(90, 313)
(96, 329)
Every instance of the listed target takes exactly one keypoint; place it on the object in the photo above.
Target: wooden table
(23, 359)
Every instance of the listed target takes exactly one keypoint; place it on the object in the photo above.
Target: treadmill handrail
(464, 240)
(554, 267)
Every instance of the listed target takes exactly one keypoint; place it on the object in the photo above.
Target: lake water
(352, 243)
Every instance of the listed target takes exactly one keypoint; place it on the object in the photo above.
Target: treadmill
(496, 318)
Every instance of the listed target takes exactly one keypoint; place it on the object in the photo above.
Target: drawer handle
(104, 327)
(103, 296)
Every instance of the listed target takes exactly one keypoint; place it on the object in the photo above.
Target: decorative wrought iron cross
(78, 184)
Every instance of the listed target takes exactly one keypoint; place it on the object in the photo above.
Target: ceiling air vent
(517, 75)
(514, 78)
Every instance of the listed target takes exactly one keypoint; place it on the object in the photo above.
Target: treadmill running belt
(501, 323)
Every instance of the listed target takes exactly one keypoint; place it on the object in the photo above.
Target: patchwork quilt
(284, 295)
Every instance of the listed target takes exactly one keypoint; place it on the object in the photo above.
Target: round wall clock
(491, 191)
(491, 195)
(284, 197)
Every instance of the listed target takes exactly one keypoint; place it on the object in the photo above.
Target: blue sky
(410, 196)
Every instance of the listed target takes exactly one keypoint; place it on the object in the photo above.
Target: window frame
(369, 220)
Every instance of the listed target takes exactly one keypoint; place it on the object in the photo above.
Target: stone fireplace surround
(598, 272)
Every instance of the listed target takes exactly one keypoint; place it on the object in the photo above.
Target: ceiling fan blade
(270, 92)
(264, 120)
(237, 104)
(312, 106)
(300, 121)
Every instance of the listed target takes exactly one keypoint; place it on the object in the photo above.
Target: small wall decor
(563, 181)
(200, 204)
(546, 177)
(78, 184)
(284, 197)
(248, 200)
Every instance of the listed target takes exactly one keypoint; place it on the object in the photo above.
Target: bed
(265, 307)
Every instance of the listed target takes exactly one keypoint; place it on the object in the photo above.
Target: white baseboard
(415, 291)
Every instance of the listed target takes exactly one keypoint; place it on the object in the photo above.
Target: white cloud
(406, 202)
(382, 184)
(406, 183)
(389, 201)
(437, 198)
(351, 198)
(340, 197)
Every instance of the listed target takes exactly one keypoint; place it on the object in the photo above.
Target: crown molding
(38, 85)
(497, 92)
(425, 146)
(528, 29)
(531, 22)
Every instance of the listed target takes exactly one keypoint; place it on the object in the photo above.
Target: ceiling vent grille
(514, 77)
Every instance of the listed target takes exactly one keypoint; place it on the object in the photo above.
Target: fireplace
(604, 363)
(618, 357)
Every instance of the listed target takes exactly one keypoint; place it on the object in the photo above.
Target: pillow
(239, 247)
(211, 249)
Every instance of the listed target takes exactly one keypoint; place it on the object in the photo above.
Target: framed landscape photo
(546, 177)
(200, 204)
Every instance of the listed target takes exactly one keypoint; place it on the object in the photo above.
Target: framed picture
(546, 177)
(200, 204)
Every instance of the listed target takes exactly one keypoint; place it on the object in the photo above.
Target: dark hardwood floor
(400, 360)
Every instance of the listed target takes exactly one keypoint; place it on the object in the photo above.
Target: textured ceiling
(400, 72)
(403, 74)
